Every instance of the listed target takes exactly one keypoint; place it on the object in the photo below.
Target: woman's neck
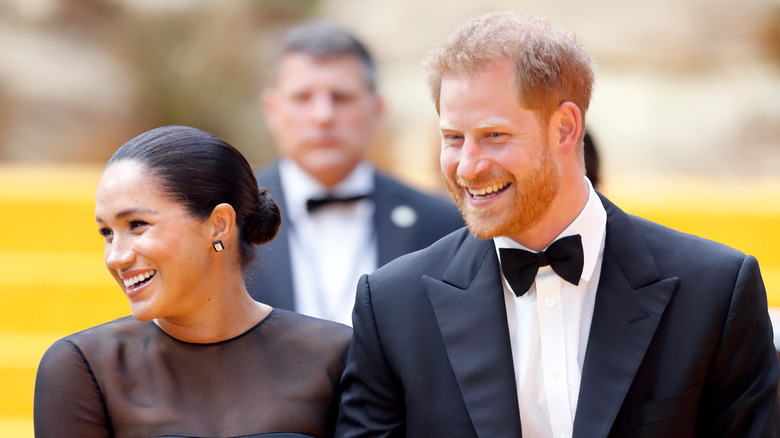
(232, 313)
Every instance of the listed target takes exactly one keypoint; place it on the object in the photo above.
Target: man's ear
(566, 127)
(223, 222)
(268, 101)
(378, 111)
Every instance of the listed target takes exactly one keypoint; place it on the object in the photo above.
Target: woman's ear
(223, 222)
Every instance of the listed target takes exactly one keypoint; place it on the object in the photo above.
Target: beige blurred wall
(689, 86)
(683, 86)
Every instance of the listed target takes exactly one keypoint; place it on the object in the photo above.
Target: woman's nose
(119, 256)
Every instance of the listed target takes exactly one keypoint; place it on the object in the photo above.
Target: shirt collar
(591, 224)
(299, 186)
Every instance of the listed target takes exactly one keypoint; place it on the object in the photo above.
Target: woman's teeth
(132, 281)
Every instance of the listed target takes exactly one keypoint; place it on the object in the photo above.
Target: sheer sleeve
(68, 401)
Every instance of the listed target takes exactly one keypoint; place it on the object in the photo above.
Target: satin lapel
(270, 277)
(630, 302)
(392, 240)
(470, 311)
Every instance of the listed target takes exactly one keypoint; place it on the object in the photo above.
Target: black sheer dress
(128, 378)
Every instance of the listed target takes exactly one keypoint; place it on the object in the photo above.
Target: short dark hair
(324, 39)
(200, 171)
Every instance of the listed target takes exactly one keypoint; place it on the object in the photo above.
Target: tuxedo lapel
(630, 301)
(470, 311)
(392, 240)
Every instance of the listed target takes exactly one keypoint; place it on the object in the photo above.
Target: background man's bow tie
(316, 203)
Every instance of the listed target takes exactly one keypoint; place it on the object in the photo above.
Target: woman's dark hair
(201, 171)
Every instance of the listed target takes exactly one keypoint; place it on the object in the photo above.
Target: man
(635, 331)
(340, 218)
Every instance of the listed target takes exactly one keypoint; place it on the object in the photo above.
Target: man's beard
(533, 194)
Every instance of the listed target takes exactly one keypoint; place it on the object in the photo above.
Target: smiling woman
(180, 212)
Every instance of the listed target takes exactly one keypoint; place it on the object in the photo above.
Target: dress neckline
(224, 341)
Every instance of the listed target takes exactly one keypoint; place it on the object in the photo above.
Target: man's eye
(452, 138)
(301, 97)
(496, 134)
(342, 97)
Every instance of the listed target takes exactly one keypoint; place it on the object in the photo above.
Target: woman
(180, 211)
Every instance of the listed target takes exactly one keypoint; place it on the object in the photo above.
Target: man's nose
(324, 109)
(472, 160)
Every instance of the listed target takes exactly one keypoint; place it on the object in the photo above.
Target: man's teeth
(488, 190)
(132, 281)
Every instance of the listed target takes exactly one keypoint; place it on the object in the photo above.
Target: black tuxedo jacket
(680, 344)
(269, 279)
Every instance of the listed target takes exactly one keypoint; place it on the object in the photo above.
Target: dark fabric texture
(128, 379)
(680, 344)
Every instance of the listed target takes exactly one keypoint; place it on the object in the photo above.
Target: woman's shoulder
(297, 322)
(124, 326)
(105, 335)
(298, 328)
(74, 352)
(299, 339)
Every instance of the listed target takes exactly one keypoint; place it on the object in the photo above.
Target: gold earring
(218, 246)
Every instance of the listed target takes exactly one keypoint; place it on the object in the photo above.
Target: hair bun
(263, 225)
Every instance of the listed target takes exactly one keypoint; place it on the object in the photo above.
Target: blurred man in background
(340, 217)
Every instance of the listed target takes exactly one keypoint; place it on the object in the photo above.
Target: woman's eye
(137, 224)
(105, 232)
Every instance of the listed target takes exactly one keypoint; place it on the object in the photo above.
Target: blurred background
(685, 115)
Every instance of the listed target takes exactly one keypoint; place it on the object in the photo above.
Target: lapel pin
(403, 216)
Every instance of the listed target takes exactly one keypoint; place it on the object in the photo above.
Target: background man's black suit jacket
(269, 279)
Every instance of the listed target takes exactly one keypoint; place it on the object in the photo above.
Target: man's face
(495, 156)
(322, 113)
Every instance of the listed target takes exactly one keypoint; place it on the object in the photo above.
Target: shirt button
(555, 374)
(549, 303)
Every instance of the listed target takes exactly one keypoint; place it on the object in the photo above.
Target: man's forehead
(341, 71)
(492, 122)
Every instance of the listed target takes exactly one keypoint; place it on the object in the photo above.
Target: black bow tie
(316, 203)
(564, 256)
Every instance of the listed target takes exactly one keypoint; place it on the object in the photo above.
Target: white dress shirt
(331, 247)
(549, 327)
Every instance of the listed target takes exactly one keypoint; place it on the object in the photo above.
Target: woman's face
(154, 248)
